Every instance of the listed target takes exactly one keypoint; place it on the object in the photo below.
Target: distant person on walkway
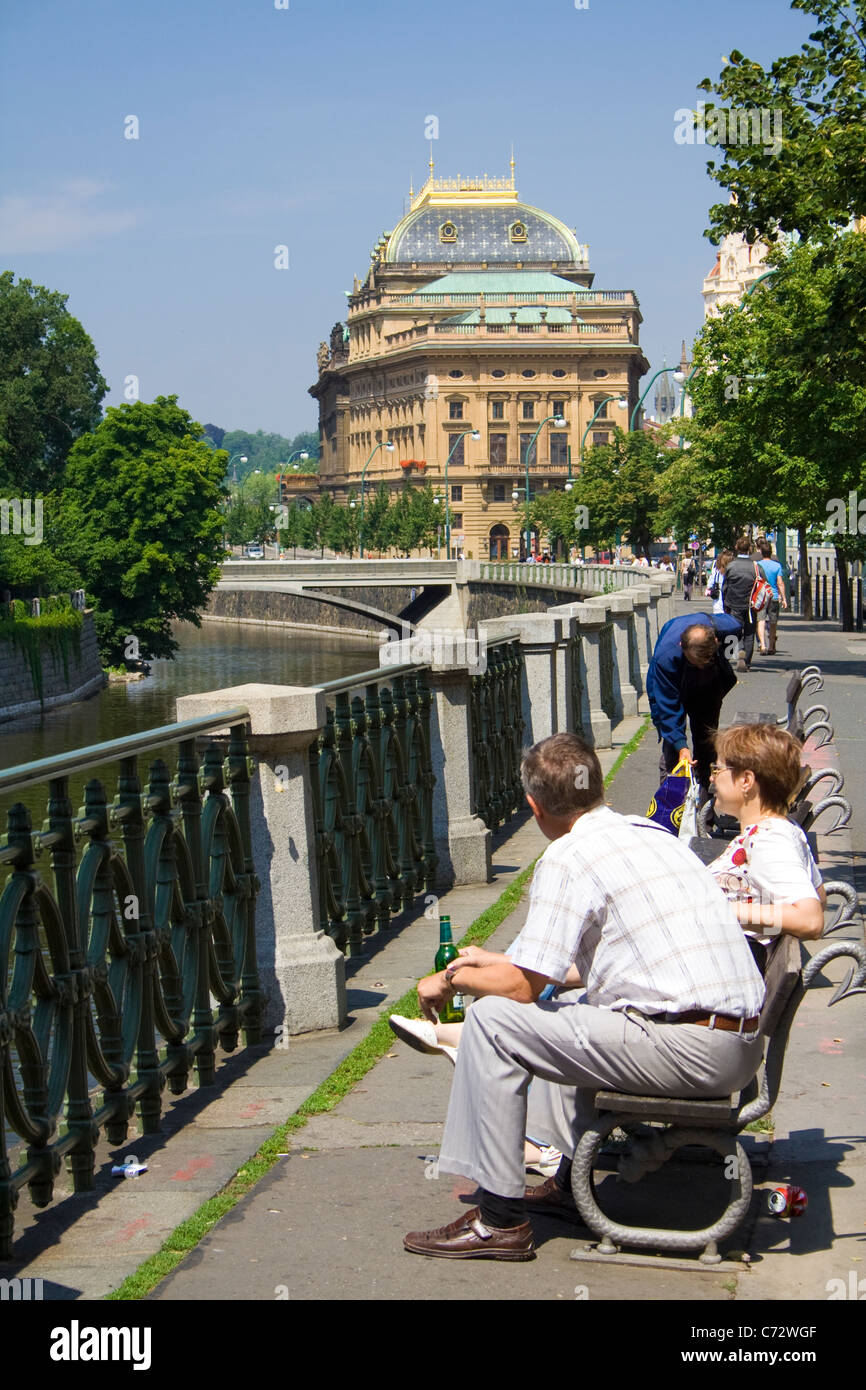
(688, 678)
(671, 1006)
(716, 581)
(768, 623)
(740, 577)
(689, 573)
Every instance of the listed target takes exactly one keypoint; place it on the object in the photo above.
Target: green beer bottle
(454, 1010)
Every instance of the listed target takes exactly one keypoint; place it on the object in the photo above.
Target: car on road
(254, 552)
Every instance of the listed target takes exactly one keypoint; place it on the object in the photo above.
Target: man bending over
(671, 1005)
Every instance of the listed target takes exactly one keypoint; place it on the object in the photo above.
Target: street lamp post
(473, 434)
(384, 444)
(243, 458)
(677, 377)
(559, 421)
(621, 402)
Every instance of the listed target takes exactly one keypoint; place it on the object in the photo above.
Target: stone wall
(17, 690)
(502, 600)
(289, 610)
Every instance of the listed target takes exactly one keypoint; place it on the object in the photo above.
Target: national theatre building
(478, 315)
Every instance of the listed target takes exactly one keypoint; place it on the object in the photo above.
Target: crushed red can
(787, 1201)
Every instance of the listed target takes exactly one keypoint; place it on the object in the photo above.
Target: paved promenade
(327, 1222)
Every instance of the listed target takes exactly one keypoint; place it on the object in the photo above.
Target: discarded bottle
(128, 1170)
(787, 1201)
(453, 1010)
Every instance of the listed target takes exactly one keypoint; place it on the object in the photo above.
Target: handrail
(80, 759)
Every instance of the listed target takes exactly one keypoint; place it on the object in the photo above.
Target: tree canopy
(50, 385)
(267, 452)
(813, 183)
(142, 523)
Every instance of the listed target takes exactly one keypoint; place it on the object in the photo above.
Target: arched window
(499, 538)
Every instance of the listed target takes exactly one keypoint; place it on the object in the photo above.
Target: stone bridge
(402, 596)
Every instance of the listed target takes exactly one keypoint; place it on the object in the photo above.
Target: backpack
(762, 594)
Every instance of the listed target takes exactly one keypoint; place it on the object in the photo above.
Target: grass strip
(342, 1080)
(360, 1060)
(629, 748)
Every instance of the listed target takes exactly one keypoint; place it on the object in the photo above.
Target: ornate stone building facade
(478, 314)
(738, 265)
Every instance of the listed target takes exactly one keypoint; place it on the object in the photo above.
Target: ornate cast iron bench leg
(646, 1155)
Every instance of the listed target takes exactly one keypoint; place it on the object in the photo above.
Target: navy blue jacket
(667, 668)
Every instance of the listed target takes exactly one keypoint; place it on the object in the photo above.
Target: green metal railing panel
(372, 781)
(607, 664)
(111, 958)
(496, 727)
(577, 687)
(633, 656)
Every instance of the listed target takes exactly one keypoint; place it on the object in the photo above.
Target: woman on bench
(767, 870)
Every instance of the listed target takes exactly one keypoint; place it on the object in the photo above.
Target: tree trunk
(846, 615)
(805, 578)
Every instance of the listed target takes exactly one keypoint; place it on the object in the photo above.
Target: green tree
(811, 180)
(374, 527)
(31, 567)
(50, 385)
(320, 519)
(142, 523)
(618, 485)
(779, 435)
(342, 531)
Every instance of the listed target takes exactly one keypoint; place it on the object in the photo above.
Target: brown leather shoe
(548, 1197)
(468, 1238)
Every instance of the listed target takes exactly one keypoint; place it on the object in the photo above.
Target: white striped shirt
(641, 918)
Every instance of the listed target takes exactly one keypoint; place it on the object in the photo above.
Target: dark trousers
(747, 619)
(703, 710)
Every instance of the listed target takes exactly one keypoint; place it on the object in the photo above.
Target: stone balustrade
(450, 716)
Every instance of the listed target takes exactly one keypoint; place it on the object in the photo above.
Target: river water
(213, 657)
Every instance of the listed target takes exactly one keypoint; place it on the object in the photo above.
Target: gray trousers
(578, 1049)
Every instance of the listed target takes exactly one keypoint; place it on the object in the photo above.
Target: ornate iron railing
(497, 724)
(372, 783)
(577, 686)
(607, 664)
(110, 961)
(634, 675)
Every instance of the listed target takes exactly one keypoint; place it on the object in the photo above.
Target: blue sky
(301, 127)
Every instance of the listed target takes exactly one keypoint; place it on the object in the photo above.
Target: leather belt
(722, 1021)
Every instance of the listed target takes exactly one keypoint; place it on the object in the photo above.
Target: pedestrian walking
(740, 577)
(768, 623)
(689, 572)
(716, 581)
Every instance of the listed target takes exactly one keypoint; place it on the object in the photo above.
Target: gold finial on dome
(512, 165)
(430, 161)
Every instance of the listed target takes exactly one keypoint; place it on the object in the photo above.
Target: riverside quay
(220, 870)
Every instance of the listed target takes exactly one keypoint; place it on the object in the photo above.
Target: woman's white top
(769, 862)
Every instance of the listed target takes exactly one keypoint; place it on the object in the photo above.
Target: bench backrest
(784, 989)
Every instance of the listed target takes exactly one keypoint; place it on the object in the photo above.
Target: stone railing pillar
(540, 638)
(461, 840)
(302, 972)
(620, 694)
(586, 620)
(641, 596)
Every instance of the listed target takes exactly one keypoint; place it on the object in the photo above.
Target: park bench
(803, 810)
(660, 1125)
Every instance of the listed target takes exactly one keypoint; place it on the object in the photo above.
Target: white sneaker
(548, 1162)
(420, 1034)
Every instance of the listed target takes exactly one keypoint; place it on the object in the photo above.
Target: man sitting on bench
(671, 1007)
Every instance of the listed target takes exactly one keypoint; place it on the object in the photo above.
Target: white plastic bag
(689, 824)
